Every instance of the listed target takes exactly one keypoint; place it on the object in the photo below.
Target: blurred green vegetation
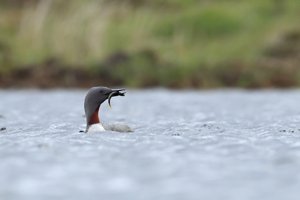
(140, 43)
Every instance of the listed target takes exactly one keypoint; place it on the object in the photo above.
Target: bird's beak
(114, 93)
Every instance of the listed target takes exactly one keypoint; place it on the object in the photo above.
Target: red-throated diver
(94, 98)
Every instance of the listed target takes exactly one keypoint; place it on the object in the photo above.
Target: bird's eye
(103, 92)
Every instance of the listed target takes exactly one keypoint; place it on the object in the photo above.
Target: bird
(92, 102)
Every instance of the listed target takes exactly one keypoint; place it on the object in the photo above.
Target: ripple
(186, 145)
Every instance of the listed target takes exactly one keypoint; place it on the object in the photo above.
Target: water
(186, 145)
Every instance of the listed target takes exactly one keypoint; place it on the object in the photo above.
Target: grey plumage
(118, 127)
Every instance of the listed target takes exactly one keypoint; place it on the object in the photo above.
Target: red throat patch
(94, 119)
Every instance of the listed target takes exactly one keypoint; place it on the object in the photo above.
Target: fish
(116, 92)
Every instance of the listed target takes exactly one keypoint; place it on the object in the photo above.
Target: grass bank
(140, 43)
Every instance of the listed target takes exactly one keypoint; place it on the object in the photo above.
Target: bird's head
(94, 98)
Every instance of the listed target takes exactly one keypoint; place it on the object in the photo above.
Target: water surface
(227, 144)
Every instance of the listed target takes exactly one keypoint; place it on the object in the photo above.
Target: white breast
(96, 128)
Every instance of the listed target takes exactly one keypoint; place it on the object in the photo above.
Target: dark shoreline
(44, 77)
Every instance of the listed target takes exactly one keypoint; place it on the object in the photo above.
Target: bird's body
(118, 127)
(93, 100)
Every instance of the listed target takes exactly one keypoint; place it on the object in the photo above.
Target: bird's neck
(94, 124)
(94, 119)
